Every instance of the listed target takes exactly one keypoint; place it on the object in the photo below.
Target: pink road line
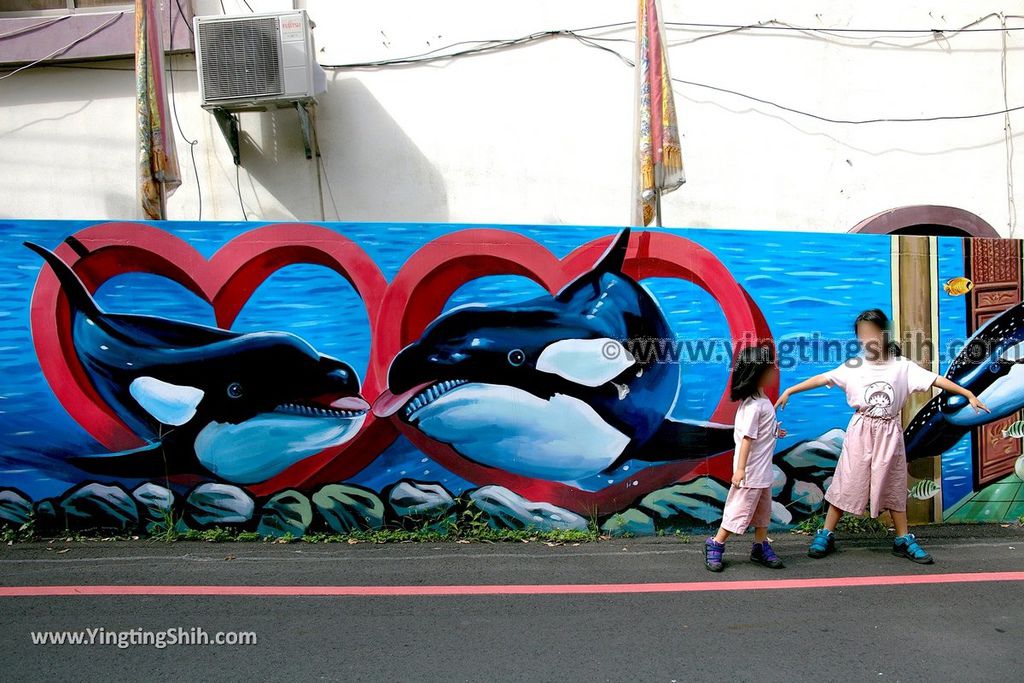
(521, 589)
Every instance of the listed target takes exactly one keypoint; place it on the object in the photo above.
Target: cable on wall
(321, 162)
(174, 110)
(487, 46)
(594, 42)
(238, 189)
(62, 50)
(33, 27)
(1011, 204)
(181, 12)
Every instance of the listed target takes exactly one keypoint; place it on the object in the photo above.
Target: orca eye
(234, 390)
(516, 357)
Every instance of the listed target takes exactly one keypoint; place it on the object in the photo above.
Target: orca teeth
(316, 411)
(430, 394)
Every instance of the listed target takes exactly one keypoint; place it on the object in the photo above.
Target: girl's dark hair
(751, 364)
(879, 319)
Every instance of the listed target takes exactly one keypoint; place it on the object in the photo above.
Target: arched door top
(926, 219)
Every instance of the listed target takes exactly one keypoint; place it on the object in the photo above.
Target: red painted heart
(419, 292)
(226, 281)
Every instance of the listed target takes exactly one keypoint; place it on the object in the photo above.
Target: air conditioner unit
(257, 61)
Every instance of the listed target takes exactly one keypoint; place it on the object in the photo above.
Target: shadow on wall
(41, 131)
(376, 172)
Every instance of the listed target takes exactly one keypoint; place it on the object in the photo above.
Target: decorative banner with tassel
(658, 164)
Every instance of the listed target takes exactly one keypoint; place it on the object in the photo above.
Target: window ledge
(56, 32)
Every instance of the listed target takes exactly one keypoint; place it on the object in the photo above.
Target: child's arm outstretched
(952, 387)
(806, 385)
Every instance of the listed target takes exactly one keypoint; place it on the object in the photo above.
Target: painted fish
(546, 388)
(1015, 430)
(958, 286)
(923, 490)
(241, 407)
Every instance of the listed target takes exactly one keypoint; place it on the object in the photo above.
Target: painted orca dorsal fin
(72, 285)
(610, 262)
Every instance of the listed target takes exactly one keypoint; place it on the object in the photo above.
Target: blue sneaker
(824, 543)
(907, 546)
(713, 551)
(762, 553)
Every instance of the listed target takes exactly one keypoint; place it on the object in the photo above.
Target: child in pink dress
(750, 497)
(872, 470)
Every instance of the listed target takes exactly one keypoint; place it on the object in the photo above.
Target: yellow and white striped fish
(923, 490)
(1016, 430)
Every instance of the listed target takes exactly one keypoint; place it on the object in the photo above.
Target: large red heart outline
(225, 281)
(421, 288)
(398, 312)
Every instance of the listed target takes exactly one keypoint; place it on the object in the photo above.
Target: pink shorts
(746, 507)
(872, 469)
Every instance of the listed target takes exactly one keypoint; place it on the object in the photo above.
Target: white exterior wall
(542, 133)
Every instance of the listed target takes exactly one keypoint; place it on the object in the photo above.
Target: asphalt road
(952, 631)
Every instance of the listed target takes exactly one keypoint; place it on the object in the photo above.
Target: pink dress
(872, 470)
(751, 504)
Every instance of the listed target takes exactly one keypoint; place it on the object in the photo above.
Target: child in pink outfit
(871, 473)
(749, 501)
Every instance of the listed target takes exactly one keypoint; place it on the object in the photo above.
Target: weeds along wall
(298, 378)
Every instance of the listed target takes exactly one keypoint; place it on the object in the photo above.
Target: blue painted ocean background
(957, 463)
(808, 285)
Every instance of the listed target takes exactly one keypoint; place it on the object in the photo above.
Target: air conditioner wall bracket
(307, 137)
(229, 126)
(228, 123)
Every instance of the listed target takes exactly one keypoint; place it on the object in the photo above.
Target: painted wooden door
(995, 268)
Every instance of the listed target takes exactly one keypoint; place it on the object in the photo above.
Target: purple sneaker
(762, 553)
(713, 551)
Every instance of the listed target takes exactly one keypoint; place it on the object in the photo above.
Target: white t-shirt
(880, 389)
(756, 418)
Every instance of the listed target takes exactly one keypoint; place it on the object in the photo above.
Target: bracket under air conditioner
(307, 135)
(228, 123)
(229, 126)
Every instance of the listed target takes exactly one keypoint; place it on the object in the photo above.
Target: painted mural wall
(287, 378)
